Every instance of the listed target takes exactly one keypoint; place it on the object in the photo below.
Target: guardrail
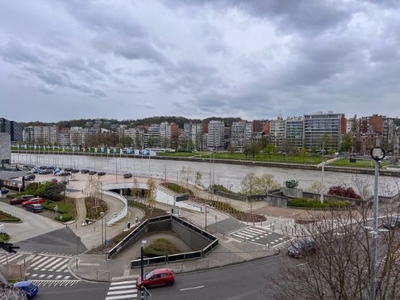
(142, 229)
(121, 214)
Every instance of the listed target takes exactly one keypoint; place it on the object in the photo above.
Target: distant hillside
(106, 123)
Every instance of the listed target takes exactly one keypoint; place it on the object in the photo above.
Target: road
(243, 281)
(81, 290)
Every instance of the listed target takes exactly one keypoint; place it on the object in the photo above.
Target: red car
(21, 199)
(33, 201)
(157, 277)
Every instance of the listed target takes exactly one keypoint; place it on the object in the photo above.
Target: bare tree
(341, 268)
(135, 189)
(151, 192)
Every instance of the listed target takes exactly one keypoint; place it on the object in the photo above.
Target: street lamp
(142, 270)
(377, 154)
(102, 225)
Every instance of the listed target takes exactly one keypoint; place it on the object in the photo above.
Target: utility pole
(323, 169)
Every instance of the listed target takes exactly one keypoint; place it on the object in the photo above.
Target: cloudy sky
(254, 59)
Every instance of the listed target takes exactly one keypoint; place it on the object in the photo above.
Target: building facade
(324, 130)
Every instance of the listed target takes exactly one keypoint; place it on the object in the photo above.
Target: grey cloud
(145, 73)
(105, 17)
(16, 52)
(99, 93)
(311, 16)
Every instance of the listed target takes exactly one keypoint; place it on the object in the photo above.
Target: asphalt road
(81, 290)
(237, 282)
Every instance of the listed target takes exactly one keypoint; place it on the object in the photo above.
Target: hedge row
(313, 203)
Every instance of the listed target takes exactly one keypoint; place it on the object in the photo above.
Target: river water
(227, 175)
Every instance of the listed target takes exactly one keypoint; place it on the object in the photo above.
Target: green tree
(249, 184)
(265, 183)
(303, 153)
(270, 149)
(347, 142)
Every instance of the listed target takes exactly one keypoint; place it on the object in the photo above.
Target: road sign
(182, 197)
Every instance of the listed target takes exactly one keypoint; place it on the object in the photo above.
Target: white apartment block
(43, 135)
(216, 135)
(324, 128)
(197, 136)
(238, 134)
(294, 128)
(277, 132)
(165, 134)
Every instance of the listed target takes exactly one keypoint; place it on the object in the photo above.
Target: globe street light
(377, 154)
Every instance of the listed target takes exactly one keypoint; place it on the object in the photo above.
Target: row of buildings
(322, 129)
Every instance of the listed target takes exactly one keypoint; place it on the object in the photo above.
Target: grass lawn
(360, 163)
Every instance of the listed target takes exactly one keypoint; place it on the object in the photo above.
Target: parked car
(68, 169)
(35, 208)
(101, 173)
(20, 199)
(85, 171)
(301, 247)
(156, 277)
(4, 190)
(92, 172)
(30, 177)
(45, 171)
(391, 222)
(75, 171)
(127, 175)
(30, 289)
(33, 201)
(64, 174)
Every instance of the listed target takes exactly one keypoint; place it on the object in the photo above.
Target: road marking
(192, 288)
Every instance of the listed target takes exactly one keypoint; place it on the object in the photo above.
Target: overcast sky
(254, 59)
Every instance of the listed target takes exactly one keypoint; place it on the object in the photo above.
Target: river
(228, 175)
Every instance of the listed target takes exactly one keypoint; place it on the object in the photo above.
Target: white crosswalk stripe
(51, 263)
(250, 233)
(55, 282)
(119, 290)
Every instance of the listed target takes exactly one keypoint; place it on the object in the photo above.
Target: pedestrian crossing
(259, 235)
(119, 290)
(51, 283)
(49, 267)
(40, 266)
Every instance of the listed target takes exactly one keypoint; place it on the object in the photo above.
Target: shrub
(177, 188)
(160, 247)
(4, 236)
(343, 192)
(313, 203)
(6, 217)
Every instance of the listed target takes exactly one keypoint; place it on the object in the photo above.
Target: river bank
(327, 167)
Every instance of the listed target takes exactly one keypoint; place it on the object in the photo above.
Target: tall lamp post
(142, 270)
(102, 226)
(377, 154)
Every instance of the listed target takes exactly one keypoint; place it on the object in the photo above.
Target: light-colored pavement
(229, 251)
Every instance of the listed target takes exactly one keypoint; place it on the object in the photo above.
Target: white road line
(65, 261)
(122, 282)
(54, 262)
(37, 260)
(121, 297)
(192, 288)
(121, 292)
(122, 287)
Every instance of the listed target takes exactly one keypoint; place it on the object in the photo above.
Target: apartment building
(216, 135)
(5, 148)
(43, 135)
(294, 128)
(12, 128)
(277, 132)
(324, 129)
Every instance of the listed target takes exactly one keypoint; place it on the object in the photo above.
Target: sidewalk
(96, 267)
